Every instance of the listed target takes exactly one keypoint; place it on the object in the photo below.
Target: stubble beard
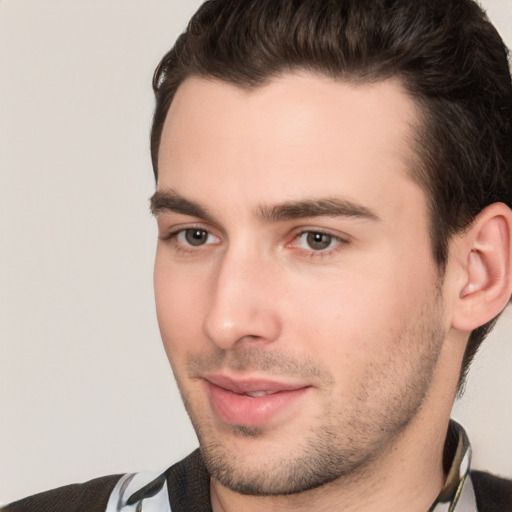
(348, 440)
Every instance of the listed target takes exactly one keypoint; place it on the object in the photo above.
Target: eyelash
(172, 238)
(339, 242)
(321, 253)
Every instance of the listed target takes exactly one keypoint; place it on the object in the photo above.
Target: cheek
(179, 305)
(341, 329)
(357, 319)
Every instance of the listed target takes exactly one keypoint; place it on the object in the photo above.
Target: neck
(407, 478)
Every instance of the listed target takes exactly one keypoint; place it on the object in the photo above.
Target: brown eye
(196, 237)
(318, 241)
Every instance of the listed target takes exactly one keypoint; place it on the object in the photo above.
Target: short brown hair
(447, 54)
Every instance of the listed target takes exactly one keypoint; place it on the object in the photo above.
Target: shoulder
(91, 496)
(183, 487)
(493, 493)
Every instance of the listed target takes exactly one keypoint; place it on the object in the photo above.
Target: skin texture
(347, 306)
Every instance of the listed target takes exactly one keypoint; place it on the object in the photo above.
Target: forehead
(295, 134)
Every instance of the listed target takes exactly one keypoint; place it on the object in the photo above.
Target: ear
(484, 268)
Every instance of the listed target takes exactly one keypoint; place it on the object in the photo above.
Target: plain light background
(85, 387)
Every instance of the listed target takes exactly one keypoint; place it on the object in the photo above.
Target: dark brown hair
(447, 54)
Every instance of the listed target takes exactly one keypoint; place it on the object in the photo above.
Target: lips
(251, 402)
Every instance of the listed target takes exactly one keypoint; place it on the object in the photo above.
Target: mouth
(252, 402)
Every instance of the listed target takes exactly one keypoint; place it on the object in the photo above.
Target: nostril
(244, 327)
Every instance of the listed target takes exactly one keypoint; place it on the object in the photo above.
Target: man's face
(296, 293)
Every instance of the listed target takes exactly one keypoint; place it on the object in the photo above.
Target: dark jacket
(493, 494)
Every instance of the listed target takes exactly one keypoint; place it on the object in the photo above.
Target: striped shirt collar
(457, 494)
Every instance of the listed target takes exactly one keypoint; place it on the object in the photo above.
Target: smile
(251, 402)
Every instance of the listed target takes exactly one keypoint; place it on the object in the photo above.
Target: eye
(189, 240)
(317, 241)
(195, 237)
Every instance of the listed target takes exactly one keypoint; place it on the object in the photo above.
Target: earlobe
(486, 256)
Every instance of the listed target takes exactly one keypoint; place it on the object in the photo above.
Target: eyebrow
(328, 207)
(170, 201)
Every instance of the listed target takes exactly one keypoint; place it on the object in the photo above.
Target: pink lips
(250, 402)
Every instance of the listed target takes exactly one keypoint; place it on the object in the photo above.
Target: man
(333, 191)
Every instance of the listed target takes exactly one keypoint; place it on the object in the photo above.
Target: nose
(244, 305)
